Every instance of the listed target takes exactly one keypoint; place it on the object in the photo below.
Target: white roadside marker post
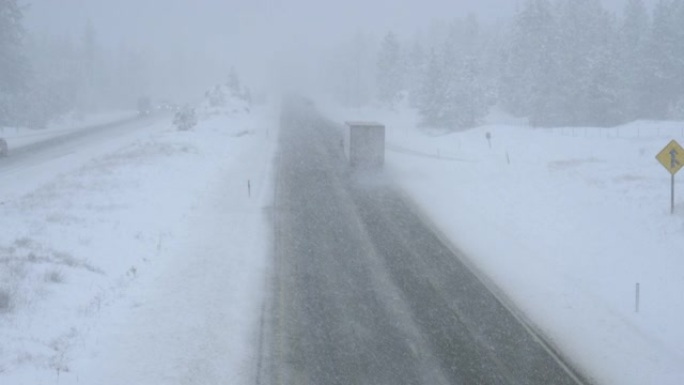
(638, 294)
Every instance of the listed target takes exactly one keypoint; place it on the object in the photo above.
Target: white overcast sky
(251, 30)
(246, 20)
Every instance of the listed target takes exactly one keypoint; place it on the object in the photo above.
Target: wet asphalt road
(365, 293)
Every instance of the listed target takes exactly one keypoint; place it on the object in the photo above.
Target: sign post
(672, 194)
(672, 158)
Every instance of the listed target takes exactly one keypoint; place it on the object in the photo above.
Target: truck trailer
(364, 144)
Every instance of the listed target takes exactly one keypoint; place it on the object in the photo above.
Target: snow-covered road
(365, 292)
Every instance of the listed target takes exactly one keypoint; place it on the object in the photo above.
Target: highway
(364, 292)
(73, 141)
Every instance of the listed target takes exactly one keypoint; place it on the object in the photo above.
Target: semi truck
(364, 144)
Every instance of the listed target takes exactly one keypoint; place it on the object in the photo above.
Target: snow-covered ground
(565, 223)
(144, 264)
(17, 137)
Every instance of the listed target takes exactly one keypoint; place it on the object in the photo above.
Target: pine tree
(451, 96)
(390, 71)
(14, 67)
(562, 65)
(675, 94)
(577, 38)
(454, 96)
(88, 93)
(465, 103)
(52, 88)
(660, 89)
(529, 79)
(600, 102)
(234, 83)
(633, 35)
(416, 63)
(433, 93)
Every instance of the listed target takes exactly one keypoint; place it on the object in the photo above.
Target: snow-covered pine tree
(90, 53)
(633, 64)
(51, 90)
(529, 78)
(586, 78)
(216, 97)
(675, 93)
(433, 93)
(14, 67)
(453, 94)
(234, 83)
(661, 86)
(390, 71)
(465, 101)
(450, 103)
(416, 62)
(602, 104)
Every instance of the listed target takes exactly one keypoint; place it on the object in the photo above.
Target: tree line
(556, 63)
(43, 77)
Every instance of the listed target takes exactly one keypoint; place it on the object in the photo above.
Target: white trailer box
(364, 144)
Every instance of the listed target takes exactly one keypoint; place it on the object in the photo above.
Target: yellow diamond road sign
(672, 157)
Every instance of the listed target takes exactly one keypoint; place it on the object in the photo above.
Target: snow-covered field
(565, 223)
(144, 264)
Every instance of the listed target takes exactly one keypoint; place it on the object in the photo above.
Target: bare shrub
(54, 276)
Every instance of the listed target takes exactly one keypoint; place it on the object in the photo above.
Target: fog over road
(364, 292)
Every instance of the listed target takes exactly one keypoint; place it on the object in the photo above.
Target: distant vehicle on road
(4, 150)
(144, 106)
(166, 105)
(364, 145)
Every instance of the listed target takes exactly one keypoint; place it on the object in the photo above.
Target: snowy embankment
(144, 265)
(565, 223)
(17, 137)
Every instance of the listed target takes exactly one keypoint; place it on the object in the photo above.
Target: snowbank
(144, 265)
